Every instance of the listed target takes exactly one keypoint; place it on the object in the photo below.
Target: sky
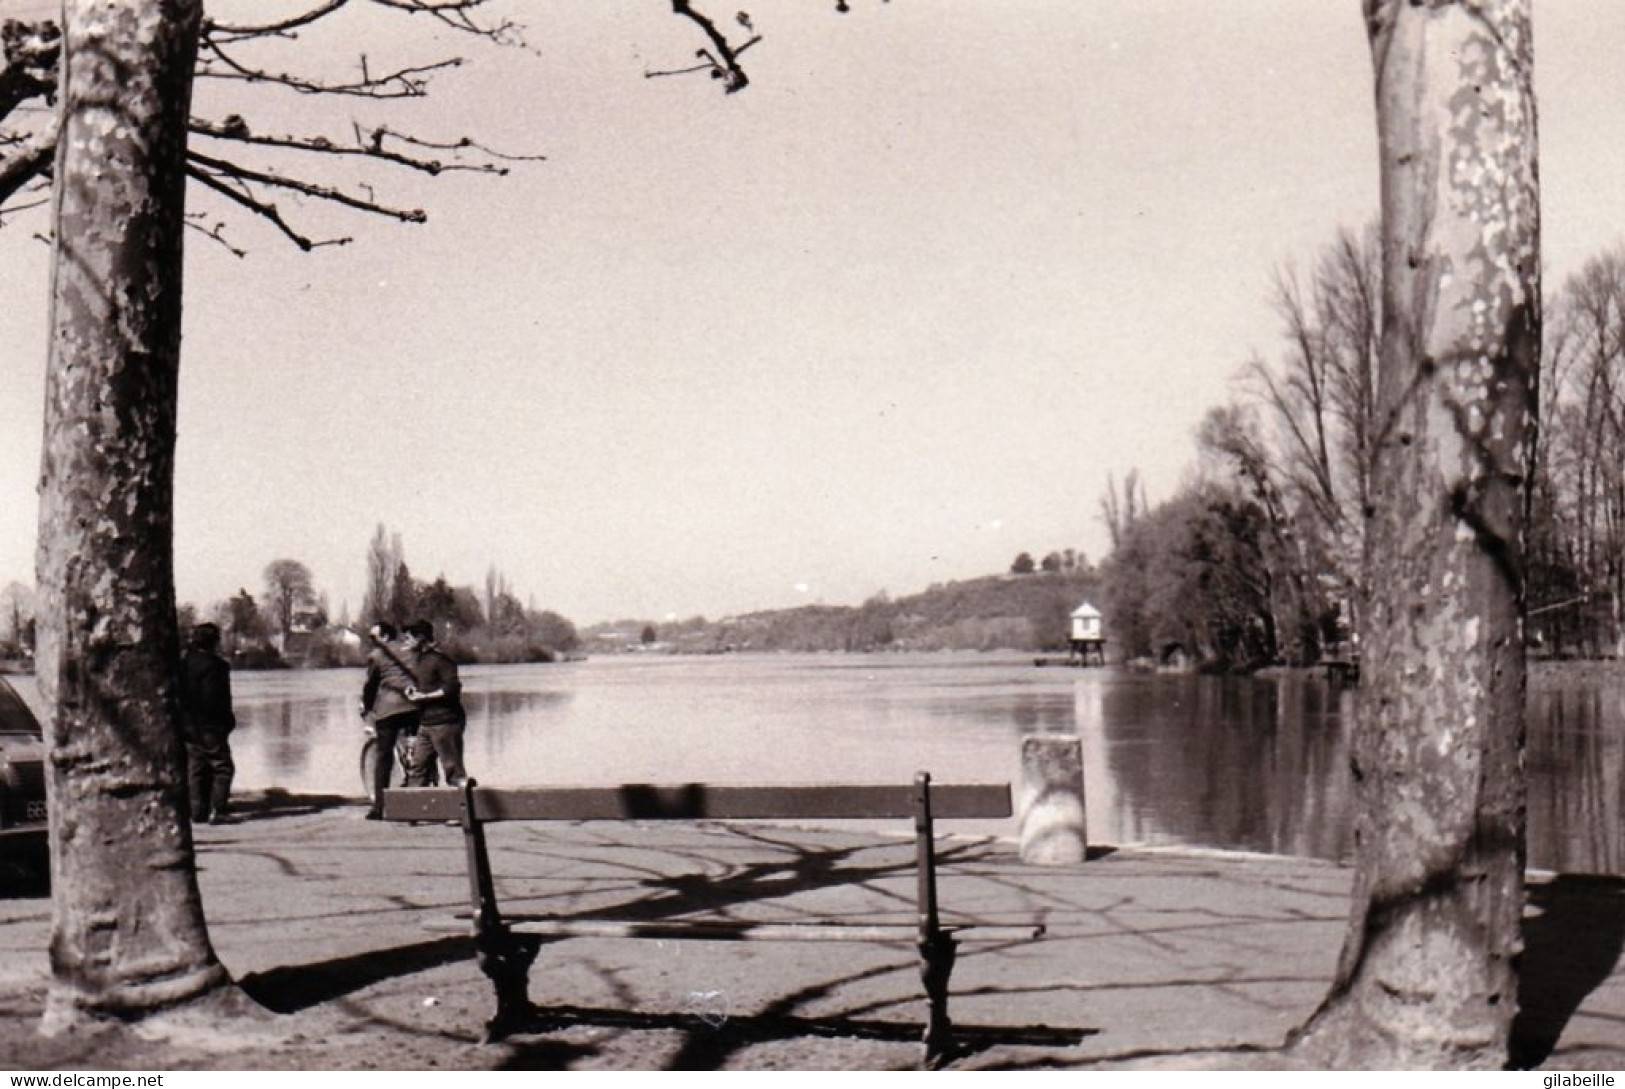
(886, 318)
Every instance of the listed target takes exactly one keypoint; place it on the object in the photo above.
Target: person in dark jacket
(206, 724)
(383, 696)
(438, 695)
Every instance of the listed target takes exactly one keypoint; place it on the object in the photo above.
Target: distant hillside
(1018, 612)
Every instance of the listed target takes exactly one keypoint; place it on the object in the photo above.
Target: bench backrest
(700, 801)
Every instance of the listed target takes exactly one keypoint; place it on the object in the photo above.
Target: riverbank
(1543, 673)
(1164, 958)
(1544, 670)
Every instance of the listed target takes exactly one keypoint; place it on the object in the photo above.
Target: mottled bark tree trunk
(1427, 975)
(128, 935)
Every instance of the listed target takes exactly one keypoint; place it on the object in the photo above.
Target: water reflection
(1576, 760)
(505, 719)
(1032, 713)
(1244, 763)
(282, 730)
(303, 731)
(486, 708)
(1254, 764)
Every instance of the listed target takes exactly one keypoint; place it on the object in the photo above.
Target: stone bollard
(1049, 800)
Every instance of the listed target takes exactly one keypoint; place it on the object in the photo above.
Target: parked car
(23, 836)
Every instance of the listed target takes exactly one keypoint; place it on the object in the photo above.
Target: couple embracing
(412, 689)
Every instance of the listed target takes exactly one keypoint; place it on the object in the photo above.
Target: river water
(1235, 762)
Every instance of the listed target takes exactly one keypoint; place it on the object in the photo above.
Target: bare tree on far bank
(1321, 400)
(1427, 976)
(289, 587)
(1577, 545)
(384, 558)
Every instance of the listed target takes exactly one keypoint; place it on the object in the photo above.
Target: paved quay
(1160, 957)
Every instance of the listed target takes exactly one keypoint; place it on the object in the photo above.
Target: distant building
(1087, 640)
(305, 621)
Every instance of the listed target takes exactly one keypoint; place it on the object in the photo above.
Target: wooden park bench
(507, 944)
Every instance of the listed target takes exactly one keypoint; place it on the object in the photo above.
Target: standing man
(383, 696)
(439, 697)
(206, 724)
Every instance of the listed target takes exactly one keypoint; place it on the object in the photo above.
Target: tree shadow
(1197, 1057)
(547, 1055)
(296, 987)
(652, 893)
(1570, 949)
(300, 986)
(275, 803)
(795, 868)
(710, 1040)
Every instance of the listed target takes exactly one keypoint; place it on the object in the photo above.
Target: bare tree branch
(217, 233)
(11, 209)
(455, 147)
(722, 59)
(260, 208)
(368, 145)
(24, 161)
(222, 167)
(235, 52)
(411, 82)
(457, 14)
(276, 29)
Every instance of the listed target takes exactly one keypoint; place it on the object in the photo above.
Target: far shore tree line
(1065, 562)
(291, 623)
(1027, 611)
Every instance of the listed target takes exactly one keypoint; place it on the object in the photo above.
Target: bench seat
(723, 930)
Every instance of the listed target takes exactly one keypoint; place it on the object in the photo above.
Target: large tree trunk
(1427, 975)
(128, 935)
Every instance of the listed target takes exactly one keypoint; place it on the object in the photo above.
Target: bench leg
(505, 958)
(936, 966)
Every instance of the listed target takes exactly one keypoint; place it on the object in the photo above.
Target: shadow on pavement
(1570, 948)
(547, 1055)
(711, 1040)
(301, 986)
(276, 803)
(1203, 1057)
